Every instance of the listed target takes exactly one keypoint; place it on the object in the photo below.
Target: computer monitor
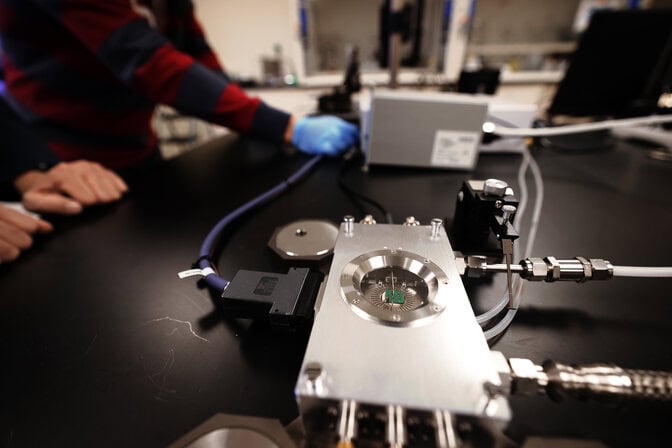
(622, 64)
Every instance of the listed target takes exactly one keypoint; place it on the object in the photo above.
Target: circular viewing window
(394, 287)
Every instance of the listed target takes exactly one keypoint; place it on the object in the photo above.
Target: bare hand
(15, 232)
(69, 186)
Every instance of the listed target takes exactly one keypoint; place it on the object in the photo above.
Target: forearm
(289, 131)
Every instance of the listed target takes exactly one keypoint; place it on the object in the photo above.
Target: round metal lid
(233, 438)
(305, 240)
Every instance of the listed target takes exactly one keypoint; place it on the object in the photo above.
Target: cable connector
(578, 269)
(549, 269)
(287, 301)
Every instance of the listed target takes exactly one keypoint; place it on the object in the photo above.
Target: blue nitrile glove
(325, 135)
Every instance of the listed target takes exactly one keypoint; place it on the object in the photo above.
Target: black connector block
(478, 225)
(287, 301)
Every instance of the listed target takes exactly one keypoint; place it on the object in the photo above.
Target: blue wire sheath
(215, 281)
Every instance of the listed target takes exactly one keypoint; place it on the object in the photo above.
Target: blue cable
(212, 279)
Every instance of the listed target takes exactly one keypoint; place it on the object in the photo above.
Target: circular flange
(304, 240)
(394, 287)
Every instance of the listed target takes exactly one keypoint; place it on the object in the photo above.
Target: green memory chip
(394, 296)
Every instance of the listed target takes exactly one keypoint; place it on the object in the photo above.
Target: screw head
(508, 211)
(313, 371)
(411, 221)
(495, 187)
(368, 219)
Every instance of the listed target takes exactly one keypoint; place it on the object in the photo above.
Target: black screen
(621, 65)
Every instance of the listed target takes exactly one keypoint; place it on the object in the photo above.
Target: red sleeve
(203, 52)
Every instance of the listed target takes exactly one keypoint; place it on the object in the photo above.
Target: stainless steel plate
(305, 240)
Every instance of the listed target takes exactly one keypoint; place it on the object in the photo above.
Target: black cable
(210, 274)
(355, 196)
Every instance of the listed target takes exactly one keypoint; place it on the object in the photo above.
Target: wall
(523, 21)
(340, 24)
(242, 31)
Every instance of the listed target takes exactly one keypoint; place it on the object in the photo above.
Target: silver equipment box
(395, 341)
(424, 129)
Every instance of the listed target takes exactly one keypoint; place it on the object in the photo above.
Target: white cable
(642, 271)
(504, 131)
(486, 317)
(501, 326)
(522, 186)
(504, 323)
(538, 203)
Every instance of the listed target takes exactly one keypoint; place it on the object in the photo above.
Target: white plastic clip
(194, 272)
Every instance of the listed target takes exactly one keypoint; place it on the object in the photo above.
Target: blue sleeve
(21, 149)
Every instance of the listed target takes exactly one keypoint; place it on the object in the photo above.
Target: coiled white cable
(492, 128)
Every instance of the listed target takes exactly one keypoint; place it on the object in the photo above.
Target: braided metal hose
(603, 381)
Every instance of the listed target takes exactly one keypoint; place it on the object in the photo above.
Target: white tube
(538, 204)
(522, 188)
(501, 326)
(642, 271)
(578, 128)
(485, 318)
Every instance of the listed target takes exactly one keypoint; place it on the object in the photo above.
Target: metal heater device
(395, 357)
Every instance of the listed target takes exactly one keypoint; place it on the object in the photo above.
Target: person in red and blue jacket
(87, 75)
(30, 171)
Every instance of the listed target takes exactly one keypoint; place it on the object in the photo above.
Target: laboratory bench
(103, 345)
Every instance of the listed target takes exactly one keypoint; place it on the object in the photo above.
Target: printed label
(266, 286)
(455, 149)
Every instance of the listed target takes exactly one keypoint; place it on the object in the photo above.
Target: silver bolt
(313, 371)
(495, 187)
(314, 374)
(498, 203)
(508, 211)
(411, 221)
(368, 219)
(436, 226)
(348, 222)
